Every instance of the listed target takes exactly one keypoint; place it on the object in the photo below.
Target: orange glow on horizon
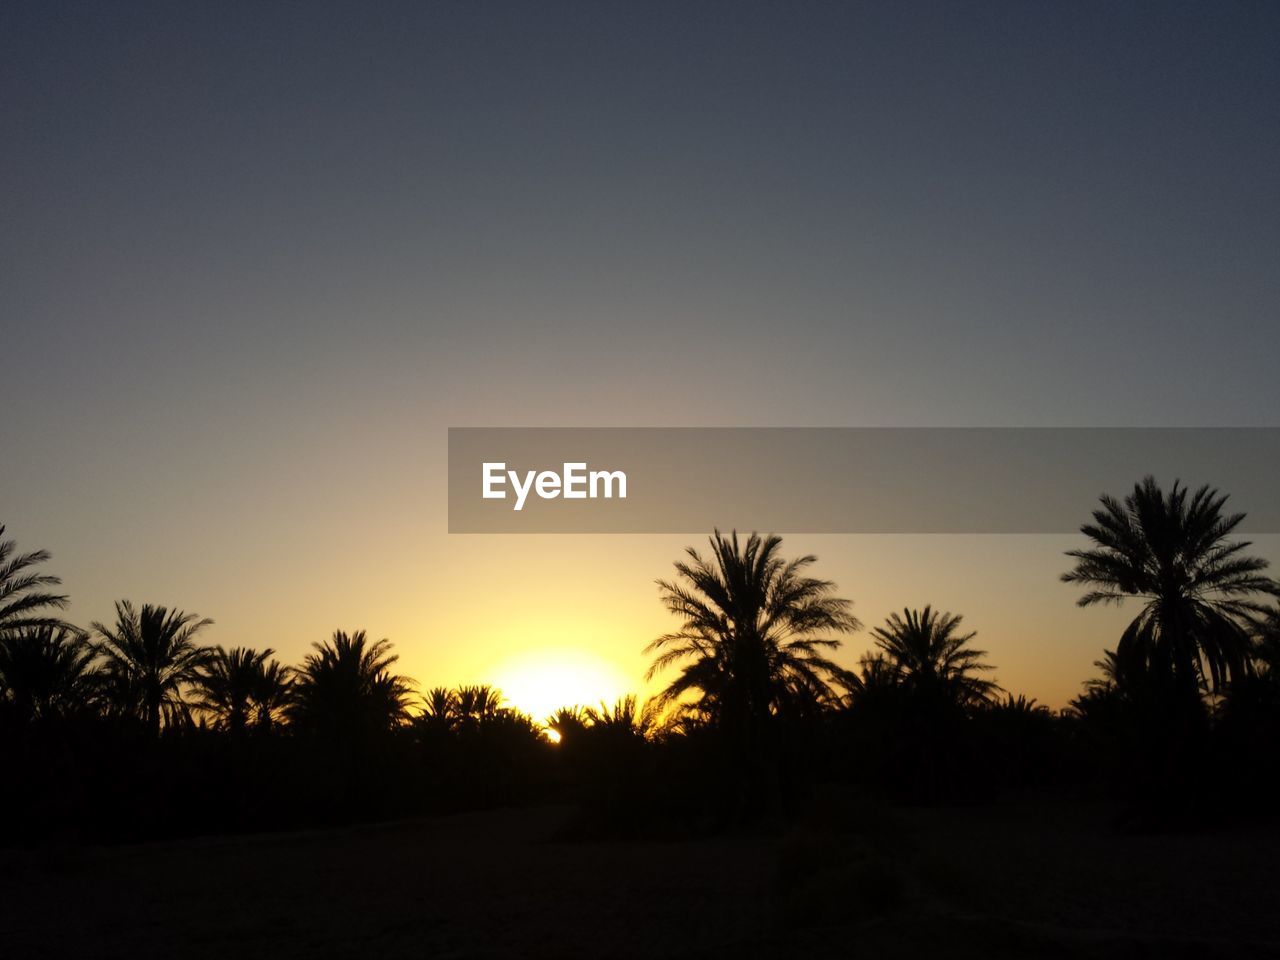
(542, 682)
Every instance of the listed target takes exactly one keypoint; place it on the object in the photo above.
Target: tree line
(136, 728)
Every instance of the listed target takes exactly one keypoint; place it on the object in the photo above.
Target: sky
(257, 258)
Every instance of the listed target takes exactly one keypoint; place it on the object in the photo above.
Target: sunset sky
(256, 259)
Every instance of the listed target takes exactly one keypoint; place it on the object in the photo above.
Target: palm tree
(272, 694)
(927, 654)
(1266, 645)
(346, 687)
(754, 633)
(1109, 674)
(476, 705)
(509, 727)
(150, 658)
(237, 687)
(440, 706)
(1197, 587)
(1106, 697)
(1019, 706)
(874, 679)
(46, 672)
(568, 724)
(438, 719)
(624, 719)
(23, 596)
(1115, 679)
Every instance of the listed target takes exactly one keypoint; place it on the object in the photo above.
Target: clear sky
(256, 258)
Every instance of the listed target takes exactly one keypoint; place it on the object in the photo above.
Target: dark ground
(1010, 880)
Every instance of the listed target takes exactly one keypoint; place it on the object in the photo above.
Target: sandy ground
(980, 882)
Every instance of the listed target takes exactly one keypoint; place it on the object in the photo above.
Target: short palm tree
(440, 705)
(240, 687)
(1199, 590)
(150, 659)
(46, 672)
(568, 723)
(25, 600)
(272, 694)
(476, 705)
(1266, 646)
(1020, 706)
(438, 717)
(1108, 679)
(346, 687)
(625, 718)
(926, 653)
(511, 726)
(873, 679)
(754, 633)
(1106, 695)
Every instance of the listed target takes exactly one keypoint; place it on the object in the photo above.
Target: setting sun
(575, 480)
(540, 683)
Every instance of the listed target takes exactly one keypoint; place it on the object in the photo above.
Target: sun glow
(540, 683)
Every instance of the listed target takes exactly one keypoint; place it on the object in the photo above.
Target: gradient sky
(256, 258)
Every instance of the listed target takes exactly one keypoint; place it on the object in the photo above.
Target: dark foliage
(139, 731)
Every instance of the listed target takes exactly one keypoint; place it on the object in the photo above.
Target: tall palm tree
(346, 687)
(754, 633)
(149, 660)
(24, 597)
(46, 672)
(240, 687)
(1174, 553)
(926, 653)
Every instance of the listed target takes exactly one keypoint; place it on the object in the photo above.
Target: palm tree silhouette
(1266, 645)
(150, 658)
(438, 719)
(476, 705)
(23, 596)
(569, 724)
(239, 687)
(1107, 697)
(625, 718)
(46, 672)
(346, 687)
(1172, 552)
(272, 694)
(926, 653)
(753, 640)
(874, 677)
(1108, 678)
(439, 706)
(1020, 706)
